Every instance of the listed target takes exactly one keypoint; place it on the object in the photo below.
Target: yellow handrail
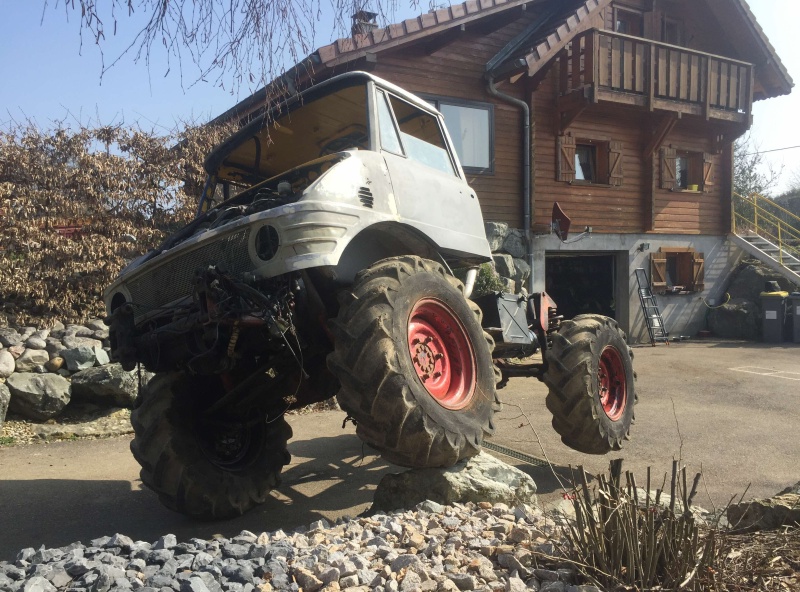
(758, 197)
(766, 223)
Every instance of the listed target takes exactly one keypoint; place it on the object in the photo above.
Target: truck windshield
(325, 125)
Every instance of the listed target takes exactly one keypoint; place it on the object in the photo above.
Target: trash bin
(793, 302)
(773, 304)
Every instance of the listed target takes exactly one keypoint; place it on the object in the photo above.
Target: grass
(7, 440)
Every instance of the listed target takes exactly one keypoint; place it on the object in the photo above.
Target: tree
(751, 172)
(246, 40)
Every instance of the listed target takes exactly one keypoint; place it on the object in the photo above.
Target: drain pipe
(526, 168)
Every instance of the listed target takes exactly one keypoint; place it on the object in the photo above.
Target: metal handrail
(771, 219)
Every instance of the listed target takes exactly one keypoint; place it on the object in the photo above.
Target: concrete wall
(683, 314)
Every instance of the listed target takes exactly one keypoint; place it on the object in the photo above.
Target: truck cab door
(428, 183)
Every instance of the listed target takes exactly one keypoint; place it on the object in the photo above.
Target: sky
(47, 75)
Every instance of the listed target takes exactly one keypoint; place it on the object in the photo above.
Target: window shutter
(708, 171)
(698, 272)
(658, 271)
(669, 177)
(615, 163)
(566, 159)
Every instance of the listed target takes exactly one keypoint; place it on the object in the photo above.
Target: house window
(683, 170)
(471, 128)
(628, 22)
(586, 163)
(583, 160)
(677, 269)
(672, 31)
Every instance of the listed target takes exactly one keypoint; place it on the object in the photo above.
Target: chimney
(364, 22)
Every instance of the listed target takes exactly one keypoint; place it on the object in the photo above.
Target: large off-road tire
(414, 364)
(200, 466)
(591, 380)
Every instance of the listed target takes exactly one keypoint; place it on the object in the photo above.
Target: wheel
(200, 466)
(591, 380)
(414, 364)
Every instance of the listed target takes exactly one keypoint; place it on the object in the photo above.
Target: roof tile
(378, 36)
(471, 6)
(396, 30)
(443, 15)
(412, 25)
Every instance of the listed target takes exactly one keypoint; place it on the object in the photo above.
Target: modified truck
(323, 262)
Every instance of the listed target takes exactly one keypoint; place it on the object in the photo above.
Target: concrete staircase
(775, 257)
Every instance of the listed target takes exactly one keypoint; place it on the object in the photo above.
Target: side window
(585, 160)
(683, 170)
(389, 139)
(421, 136)
(677, 270)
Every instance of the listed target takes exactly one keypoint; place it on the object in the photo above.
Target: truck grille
(173, 280)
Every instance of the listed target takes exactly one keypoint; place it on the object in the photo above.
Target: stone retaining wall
(42, 370)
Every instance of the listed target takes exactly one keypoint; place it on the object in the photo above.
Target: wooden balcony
(606, 66)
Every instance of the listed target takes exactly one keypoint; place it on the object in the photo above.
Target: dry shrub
(77, 203)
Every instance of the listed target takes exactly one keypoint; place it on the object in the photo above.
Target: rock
(108, 385)
(72, 342)
(509, 285)
(16, 350)
(5, 397)
(496, 233)
(38, 396)
(77, 330)
(38, 584)
(9, 337)
(54, 364)
(736, 319)
(765, 514)
(54, 345)
(100, 356)
(34, 342)
(515, 244)
(79, 358)
(481, 478)
(793, 489)
(96, 325)
(504, 265)
(31, 359)
(430, 506)
(7, 363)
(523, 272)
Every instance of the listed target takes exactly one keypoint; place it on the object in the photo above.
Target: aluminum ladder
(652, 315)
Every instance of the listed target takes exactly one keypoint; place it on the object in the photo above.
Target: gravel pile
(463, 547)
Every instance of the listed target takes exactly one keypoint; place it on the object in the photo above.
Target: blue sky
(47, 76)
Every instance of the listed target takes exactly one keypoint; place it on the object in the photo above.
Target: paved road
(728, 407)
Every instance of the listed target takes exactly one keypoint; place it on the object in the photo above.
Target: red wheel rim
(441, 354)
(612, 381)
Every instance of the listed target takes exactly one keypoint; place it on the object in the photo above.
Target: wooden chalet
(634, 106)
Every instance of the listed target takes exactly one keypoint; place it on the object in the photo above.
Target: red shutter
(698, 273)
(566, 159)
(669, 177)
(708, 171)
(615, 163)
(658, 271)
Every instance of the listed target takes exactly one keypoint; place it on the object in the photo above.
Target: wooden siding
(456, 71)
(623, 208)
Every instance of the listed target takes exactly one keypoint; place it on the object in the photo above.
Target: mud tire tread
(377, 389)
(571, 377)
(173, 465)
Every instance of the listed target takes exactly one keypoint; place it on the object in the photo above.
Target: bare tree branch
(242, 41)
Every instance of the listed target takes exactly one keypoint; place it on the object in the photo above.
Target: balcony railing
(627, 69)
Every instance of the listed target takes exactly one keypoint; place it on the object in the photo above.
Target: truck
(324, 262)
